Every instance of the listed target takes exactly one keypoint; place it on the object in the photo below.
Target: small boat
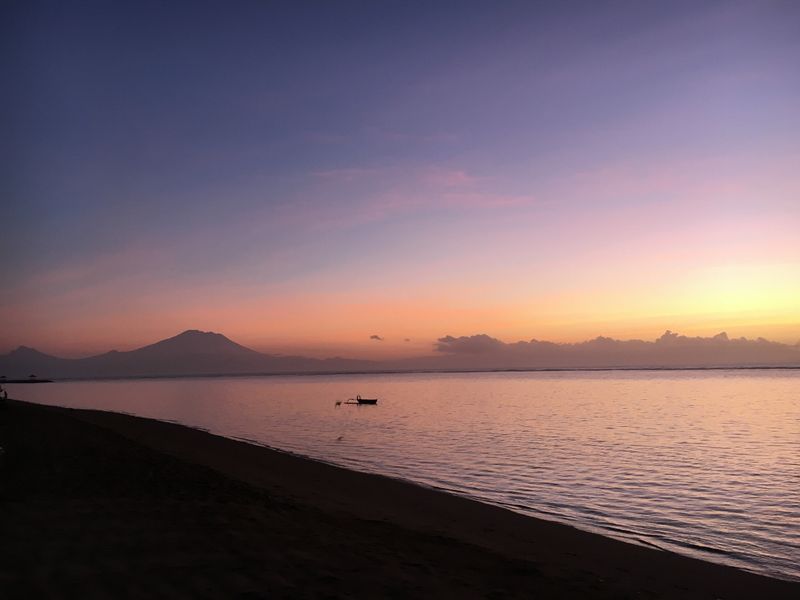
(358, 400)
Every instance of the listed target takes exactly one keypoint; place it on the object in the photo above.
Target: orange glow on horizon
(749, 302)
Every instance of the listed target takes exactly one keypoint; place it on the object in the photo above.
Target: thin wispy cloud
(450, 178)
(407, 137)
(347, 175)
(376, 194)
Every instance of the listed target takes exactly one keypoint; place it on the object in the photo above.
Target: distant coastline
(413, 372)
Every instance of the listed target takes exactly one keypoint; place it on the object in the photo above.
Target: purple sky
(301, 176)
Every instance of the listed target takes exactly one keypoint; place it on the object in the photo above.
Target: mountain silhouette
(192, 352)
(194, 343)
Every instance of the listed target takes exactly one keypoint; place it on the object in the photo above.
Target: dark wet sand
(96, 505)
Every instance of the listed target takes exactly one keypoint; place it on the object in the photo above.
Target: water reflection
(703, 463)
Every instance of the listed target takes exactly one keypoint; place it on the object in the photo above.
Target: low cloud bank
(670, 350)
(474, 344)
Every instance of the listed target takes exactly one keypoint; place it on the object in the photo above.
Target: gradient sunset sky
(302, 176)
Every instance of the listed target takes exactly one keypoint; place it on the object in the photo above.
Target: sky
(306, 177)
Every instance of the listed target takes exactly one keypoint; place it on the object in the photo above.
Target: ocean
(702, 463)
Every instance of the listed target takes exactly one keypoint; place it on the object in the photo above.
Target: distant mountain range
(205, 353)
(189, 353)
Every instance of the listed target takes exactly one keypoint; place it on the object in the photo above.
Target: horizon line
(417, 371)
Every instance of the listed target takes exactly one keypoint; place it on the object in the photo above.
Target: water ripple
(706, 464)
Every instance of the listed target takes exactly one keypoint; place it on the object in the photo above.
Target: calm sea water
(702, 463)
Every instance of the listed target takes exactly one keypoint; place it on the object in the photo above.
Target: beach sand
(96, 504)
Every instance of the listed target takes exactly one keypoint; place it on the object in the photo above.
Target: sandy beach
(97, 504)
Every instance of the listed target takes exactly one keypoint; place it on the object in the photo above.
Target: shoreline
(444, 540)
